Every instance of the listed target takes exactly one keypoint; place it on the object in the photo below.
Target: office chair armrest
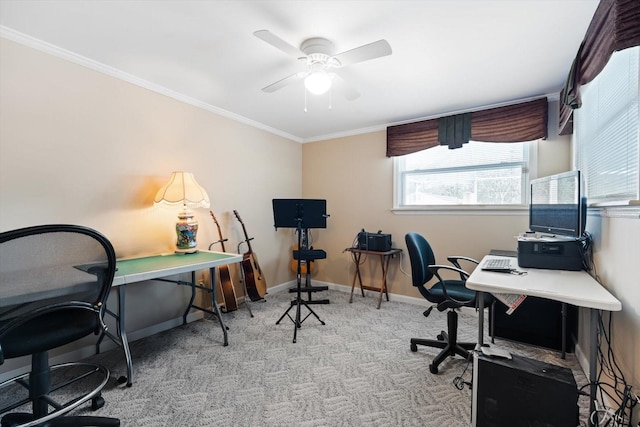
(454, 259)
(435, 269)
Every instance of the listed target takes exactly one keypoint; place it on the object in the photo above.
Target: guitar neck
(244, 230)
(219, 231)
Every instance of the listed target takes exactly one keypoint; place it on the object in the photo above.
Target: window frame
(529, 173)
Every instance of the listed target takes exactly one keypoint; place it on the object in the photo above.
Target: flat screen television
(558, 206)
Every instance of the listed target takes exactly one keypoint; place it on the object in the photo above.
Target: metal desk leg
(480, 320)
(193, 297)
(122, 333)
(214, 304)
(593, 366)
(564, 330)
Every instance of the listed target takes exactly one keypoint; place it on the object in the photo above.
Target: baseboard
(284, 287)
(583, 361)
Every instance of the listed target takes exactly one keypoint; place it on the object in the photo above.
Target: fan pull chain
(305, 99)
(330, 97)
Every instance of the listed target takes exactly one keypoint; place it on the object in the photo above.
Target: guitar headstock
(235, 212)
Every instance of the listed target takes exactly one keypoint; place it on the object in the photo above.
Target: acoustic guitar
(255, 281)
(306, 267)
(228, 292)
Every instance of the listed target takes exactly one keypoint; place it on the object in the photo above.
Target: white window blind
(606, 131)
(479, 173)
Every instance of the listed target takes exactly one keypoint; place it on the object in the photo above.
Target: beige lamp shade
(182, 189)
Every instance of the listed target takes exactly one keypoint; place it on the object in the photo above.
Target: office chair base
(56, 417)
(448, 342)
(24, 420)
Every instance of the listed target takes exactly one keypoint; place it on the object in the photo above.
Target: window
(479, 173)
(606, 131)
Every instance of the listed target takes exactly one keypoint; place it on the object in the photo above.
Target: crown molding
(51, 49)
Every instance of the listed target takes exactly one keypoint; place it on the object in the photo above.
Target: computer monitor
(558, 206)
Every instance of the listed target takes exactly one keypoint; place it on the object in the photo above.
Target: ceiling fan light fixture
(318, 82)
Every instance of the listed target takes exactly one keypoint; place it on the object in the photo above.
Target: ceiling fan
(318, 54)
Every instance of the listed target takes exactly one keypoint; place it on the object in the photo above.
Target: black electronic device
(378, 242)
(551, 253)
(537, 321)
(521, 392)
(557, 205)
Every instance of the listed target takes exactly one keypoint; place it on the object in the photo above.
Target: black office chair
(446, 294)
(54, 283)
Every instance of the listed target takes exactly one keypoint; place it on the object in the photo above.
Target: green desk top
(152, 267)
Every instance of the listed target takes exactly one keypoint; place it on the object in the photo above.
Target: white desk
(572, 287)
(157, 267)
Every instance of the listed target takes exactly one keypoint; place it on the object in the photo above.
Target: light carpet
(356, 370)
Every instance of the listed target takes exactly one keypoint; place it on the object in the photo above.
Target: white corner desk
(572, 287)
(158, 267)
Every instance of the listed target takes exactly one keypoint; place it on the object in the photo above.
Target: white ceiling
(448, 55)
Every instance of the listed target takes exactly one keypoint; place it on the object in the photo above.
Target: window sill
(463, 210)
(624, 209)
(617, 204)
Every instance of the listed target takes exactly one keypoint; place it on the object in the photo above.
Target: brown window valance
(615, 26)
(526, 121)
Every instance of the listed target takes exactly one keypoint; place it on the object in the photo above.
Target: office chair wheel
(433, 369)
(440, 337)
(414, 347)
(97, 402)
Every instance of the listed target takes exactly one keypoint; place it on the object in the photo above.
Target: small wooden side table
(385, 258)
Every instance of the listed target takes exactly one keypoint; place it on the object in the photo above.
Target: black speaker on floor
(537, 321)
(521, 392)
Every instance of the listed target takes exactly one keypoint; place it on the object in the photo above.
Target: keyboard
(497, 264)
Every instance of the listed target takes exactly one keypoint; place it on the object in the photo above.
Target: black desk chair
(54, 283)
(446, 294)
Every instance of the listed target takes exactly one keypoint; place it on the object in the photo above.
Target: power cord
(587, 251)
(459, 381)
(614, 386)
(605, 416)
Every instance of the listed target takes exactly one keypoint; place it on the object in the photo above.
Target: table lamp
(183, 189)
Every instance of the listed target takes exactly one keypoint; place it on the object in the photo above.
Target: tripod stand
(289, 212)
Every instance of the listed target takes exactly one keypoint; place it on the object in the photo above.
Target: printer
(551, 253)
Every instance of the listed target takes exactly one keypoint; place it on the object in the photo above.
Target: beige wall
(78, 146)
(356, 178)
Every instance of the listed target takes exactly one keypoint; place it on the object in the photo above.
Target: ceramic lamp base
(186, 231)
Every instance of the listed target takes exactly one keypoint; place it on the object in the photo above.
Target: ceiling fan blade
(343, 88)
(278, 43)
(364, 53)
(282, 83)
